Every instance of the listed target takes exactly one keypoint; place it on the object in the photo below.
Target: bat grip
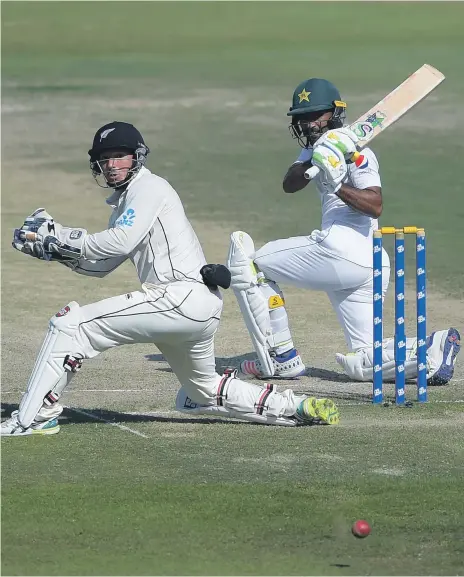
(312, 172)
(27, 235)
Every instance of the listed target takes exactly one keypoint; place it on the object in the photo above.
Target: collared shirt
(148, 226)
(362, 174)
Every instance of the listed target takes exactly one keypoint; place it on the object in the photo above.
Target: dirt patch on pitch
(72, 198)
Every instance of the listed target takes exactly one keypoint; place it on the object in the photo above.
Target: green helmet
(313, 95)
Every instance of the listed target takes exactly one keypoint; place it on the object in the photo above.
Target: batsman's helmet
(309, 97)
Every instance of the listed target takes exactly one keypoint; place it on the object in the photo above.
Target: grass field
(130, 487)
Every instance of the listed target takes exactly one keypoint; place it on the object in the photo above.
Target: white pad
(253, 304)
(49, 370)
(238, 399)
(281, 336)
(359, 365)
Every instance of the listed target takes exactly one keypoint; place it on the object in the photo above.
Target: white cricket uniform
(336, 259)
(174, 309)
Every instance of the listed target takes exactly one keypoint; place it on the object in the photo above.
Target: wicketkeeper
(178, 306)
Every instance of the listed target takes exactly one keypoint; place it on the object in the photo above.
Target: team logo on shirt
(361, 161)
(127, 218)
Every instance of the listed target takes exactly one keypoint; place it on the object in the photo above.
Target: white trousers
(181, 319)
(337, 261)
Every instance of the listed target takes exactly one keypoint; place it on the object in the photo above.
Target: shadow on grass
(228, 362)
(223, 363)
(85, 415)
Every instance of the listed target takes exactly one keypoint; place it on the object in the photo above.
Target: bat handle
(312, 172)
(24, 235)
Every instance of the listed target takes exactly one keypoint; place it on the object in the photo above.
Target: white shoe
(12, 428)
(442, 350)
(286, 366)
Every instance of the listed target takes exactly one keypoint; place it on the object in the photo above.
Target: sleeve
(97, 268)
(144, 204)
(305, 155)
(365, 172)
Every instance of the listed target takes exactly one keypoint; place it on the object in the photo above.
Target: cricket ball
(361, 529)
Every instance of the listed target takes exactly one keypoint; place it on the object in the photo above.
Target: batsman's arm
(367, 200)
(295, 178)
(365, 192)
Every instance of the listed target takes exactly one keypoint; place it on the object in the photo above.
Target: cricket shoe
(312, 411)
(286, 366)
(12, 428)
(442, 350)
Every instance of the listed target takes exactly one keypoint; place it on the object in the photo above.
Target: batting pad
(49, 367)
(253, 305)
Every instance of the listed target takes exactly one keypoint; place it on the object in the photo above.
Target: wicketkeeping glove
(40, 218)
(38, 238)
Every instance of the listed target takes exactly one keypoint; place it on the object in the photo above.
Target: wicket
(400, 333)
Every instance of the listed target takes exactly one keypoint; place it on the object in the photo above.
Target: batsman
(178, 306)
(336, 259)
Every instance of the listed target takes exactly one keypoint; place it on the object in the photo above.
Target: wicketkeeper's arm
(95, 268)
(144, 204)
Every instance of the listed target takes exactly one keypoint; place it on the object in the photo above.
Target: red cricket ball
(361, 529)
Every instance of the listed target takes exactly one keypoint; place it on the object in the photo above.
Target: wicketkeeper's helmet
(118, 136)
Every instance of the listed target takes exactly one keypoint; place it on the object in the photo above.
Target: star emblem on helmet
(304, 95)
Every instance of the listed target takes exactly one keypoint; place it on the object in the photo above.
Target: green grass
(219, 499)
(209, 85)
(234, 158)
(229, 529)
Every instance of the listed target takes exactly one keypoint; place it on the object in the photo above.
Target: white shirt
(148, 226)
(365, 175)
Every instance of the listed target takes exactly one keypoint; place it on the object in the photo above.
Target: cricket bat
(391, 108)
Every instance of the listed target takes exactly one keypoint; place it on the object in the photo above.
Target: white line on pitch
(152, 413)
(89, 391)
(110, 391)
(118, 425)
(427, 403)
